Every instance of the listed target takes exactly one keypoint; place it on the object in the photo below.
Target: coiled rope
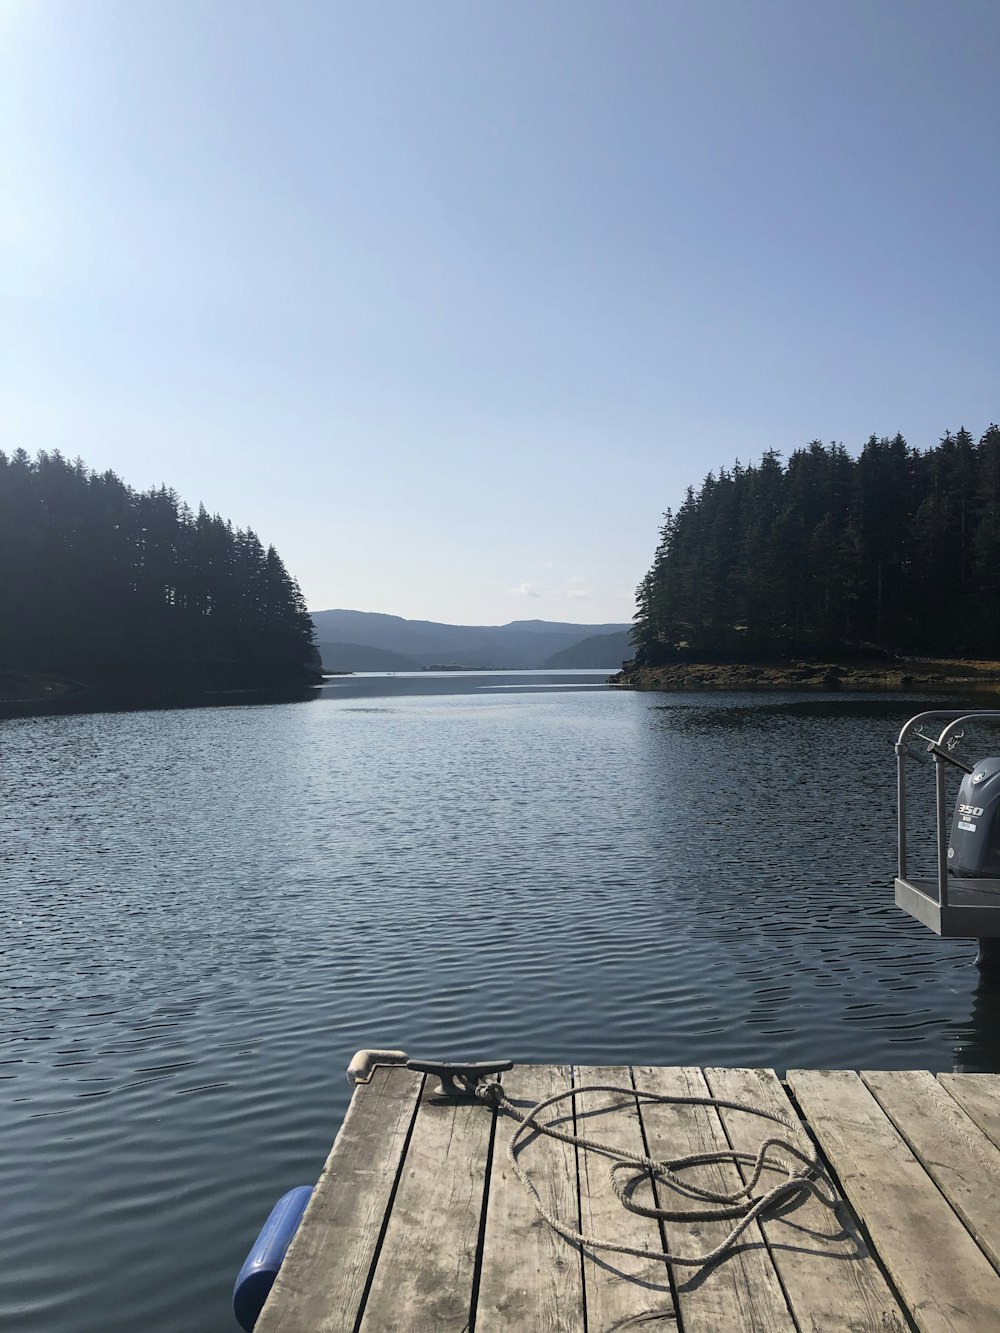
(740, 1203)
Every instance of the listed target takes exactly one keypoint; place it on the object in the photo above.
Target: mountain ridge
(597, 650)
(518, 645)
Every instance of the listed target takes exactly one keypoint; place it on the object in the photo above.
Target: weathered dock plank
(951, 1148)
(426, 1267)
(419, 1223)
(744, 1292)
(979, 1095)
(531, 1277)
(321, 1283)
(620, 1290)
(829, 1276)
(948, 1284)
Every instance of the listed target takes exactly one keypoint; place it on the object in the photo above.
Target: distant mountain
(600, 650)
(360, 657)
(521, 645)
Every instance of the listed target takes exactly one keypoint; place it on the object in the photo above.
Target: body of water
(207, 911)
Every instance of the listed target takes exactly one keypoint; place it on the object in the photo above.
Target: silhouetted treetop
(97, 577)
(896, 548)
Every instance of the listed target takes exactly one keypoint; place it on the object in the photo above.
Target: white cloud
(577, 592)
(526, 590)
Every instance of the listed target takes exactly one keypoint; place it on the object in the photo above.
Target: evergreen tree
(98, 579)
(894, 549)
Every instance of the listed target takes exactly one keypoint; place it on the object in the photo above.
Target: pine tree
(96, 578)
(894, 549)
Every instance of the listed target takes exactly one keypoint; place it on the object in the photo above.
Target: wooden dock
(418, 1224)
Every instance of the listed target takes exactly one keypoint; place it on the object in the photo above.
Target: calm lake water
(207, 911)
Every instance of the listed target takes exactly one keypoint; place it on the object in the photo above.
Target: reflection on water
(96, 700)
(208, 911)
(977, 1042)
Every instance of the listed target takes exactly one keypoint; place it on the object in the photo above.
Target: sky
(450, 301)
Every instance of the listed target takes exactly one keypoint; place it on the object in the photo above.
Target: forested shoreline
(110, 589)
(895, 551)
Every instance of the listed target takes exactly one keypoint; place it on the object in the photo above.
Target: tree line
(107, 582)
(896, 549)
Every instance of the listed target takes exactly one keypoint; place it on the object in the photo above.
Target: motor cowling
(974, 848)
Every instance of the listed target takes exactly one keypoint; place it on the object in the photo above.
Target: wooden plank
(830, 1278)
(425, 1270)
(531, 1276)
(620, 1290)
(320, 1285)
(741, 1291)
(954, 1152)
(940, 1272)
(979, 1097)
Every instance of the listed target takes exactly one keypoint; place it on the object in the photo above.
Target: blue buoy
(256, 1277)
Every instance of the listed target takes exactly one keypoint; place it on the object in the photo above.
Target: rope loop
(800, 1181)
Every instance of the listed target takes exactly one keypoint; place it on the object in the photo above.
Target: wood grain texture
(742, 1290)
(320, 1285)
(532, 1277)
(621, 1291)
(947, 1283)
(831, 1280)
(952, 1149)
(400, 1201)
(979, 1096)
(426, 1266)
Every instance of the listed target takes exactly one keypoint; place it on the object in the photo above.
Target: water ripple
(209, 911)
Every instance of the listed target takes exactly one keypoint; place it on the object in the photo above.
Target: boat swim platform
(418, 1224)
(970, 910)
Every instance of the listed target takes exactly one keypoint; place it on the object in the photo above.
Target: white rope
(740, 1203)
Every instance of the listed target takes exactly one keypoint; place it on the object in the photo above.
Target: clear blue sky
(449, 301)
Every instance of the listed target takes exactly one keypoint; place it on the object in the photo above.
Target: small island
(872, 674)
(829, 572)
(111, 597)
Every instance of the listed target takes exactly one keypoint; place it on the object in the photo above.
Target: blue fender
(256, 1277)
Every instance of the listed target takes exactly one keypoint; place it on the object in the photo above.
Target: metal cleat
(468, 1072)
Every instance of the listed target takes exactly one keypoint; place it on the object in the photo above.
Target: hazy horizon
(477, 624)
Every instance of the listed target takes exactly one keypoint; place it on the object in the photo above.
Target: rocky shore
(28, 693)
(35, 687)
(904, 674)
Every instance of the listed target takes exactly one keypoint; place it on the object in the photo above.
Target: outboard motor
(974, 849)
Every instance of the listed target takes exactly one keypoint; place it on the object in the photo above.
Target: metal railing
(939, 752)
